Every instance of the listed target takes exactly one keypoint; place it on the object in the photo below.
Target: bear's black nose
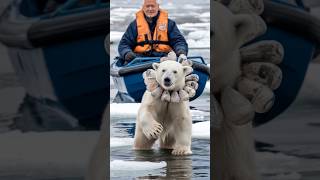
(167, 81)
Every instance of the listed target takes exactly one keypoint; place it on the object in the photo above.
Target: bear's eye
(163, 70)
(175, 71)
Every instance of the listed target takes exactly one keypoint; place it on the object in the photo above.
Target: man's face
(150, 8)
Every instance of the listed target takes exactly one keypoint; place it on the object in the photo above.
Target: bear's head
(171, 75)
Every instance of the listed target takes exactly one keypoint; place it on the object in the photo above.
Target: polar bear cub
(170, 122)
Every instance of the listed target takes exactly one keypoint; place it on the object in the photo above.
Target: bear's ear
(187, 70)
(155, 66)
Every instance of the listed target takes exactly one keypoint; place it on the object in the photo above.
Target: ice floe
(116, 19)
(125, 110)
(194, 26)
(123, 12)
(191, 6)
(196, 35)
(198, 44)
(120, 142)
(121, 165)
(126, 169)
(199, 39)
(115, 36)
(205, 15)
(130, 110)
(201, 130)
(207, 88)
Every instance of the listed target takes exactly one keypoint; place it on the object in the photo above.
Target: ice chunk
(123, 12)
(115, 36)
(205, 26)
(130, 110)
(205, 15)
(207, 88)
(120, 142)
(199, 35)
(121, 165)
(201, 130)
(117, 110)
(198, 44)
(191, 6)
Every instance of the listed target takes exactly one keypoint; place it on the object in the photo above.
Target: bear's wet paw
(181, 151)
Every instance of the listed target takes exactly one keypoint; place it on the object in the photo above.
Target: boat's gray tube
(22, 32)
(77, 26)
(122, 71)
(292, 20)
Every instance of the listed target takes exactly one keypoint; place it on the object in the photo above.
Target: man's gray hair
(157, 1)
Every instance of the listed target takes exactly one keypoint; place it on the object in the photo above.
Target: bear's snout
(167, 81)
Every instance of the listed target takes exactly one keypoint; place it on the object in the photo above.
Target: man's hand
(129, 57)
(182, 58)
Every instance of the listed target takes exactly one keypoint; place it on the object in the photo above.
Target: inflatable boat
(129, 81)
(290, 23)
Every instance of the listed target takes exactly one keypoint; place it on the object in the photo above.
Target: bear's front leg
(234, 153)
(167, 141)
(147, 130)
(182, 133)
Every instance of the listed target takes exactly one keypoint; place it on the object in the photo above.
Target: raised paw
(181, 151)
(153, 131)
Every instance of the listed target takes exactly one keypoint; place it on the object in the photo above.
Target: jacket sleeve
(128, 40)
(176, 39)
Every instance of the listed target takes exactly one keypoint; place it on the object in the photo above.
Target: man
(152, 34)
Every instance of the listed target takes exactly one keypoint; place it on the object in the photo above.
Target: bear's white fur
(168, 121)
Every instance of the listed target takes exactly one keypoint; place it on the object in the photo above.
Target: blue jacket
(176, 40)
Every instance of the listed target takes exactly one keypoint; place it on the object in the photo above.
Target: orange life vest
(159, 42)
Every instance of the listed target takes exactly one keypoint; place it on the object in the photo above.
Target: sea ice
(201, 130)
(120, 142)
(130, 110)
(121, 165)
